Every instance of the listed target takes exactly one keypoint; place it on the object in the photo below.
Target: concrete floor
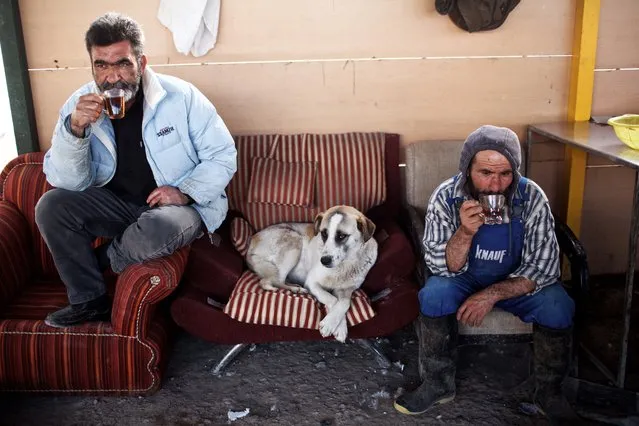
(298, 383)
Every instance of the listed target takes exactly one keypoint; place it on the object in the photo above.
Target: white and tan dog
(329, 257)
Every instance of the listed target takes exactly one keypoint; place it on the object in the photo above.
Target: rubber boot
(437, 365)
(552, 352)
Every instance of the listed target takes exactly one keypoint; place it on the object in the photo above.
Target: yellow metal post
(580, 102)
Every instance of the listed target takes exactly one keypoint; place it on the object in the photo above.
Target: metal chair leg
(229, 357)
(373, 347)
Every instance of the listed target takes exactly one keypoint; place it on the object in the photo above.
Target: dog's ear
(318, 222)
(366, 227)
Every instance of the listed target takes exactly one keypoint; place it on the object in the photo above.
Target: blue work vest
(495, 251)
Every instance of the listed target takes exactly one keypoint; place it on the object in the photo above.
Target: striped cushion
(278, 182)
(248, 147)
(23, 183)
(39, 299)
(252, 304)
(241, 233)
(350, 170)
(15, 253)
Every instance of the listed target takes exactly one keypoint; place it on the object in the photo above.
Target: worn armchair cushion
(350, 170)
(280, 182)
(217, 267)
(22, 184)
(241, 233)
(15, 252)
(252, 304)
(395, 257)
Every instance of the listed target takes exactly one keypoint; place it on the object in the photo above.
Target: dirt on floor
(329, 383)
(315, 383)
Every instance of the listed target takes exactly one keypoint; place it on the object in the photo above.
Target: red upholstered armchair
(291, 178)
(123, 356)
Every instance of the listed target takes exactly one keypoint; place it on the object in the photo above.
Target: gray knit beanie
(500, 139)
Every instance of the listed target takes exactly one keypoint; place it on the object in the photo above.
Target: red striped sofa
(291, 178)
(124, 356)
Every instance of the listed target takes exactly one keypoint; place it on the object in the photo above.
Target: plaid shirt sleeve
(540, 256)
(439, 227)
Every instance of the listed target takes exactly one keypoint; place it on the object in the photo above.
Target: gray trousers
(70, 221)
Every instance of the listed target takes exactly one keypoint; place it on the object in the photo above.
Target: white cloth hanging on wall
(194, 24)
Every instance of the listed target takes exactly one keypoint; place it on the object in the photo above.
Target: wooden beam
(580, 102)
(17, 75)
(584, 53)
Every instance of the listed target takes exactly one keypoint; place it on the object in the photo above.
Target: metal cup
(493, 208)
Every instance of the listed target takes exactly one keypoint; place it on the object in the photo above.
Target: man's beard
(130, 89)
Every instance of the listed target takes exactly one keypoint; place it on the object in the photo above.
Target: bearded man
(476, 266)
(152, 181)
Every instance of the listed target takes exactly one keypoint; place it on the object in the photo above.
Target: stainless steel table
(599, 140)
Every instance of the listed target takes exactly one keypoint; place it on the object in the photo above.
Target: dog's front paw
(329, 324)
(297, 289)
(267, 284)
(341, 332)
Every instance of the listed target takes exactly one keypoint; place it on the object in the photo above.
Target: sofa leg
(229, 357)
(373, 347)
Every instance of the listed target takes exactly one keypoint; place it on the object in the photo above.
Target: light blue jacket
(187, 146)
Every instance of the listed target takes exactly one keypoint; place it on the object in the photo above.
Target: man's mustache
(130, 89)
(118, 85)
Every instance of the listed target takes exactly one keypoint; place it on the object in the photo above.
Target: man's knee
(160, 231)
(173, 220)
(157, 233)
(49, 205)
(440, 296)
(557, 310)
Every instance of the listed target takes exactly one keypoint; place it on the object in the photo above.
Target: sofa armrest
(140, 287)
(15, 251)
(414, 222)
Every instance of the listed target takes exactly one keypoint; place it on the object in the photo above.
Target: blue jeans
(70, 221)
(551, 307)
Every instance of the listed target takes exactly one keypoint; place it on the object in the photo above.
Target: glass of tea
(114, 103)
(493, 208)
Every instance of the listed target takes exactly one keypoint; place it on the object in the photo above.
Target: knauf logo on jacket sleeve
(165, 131)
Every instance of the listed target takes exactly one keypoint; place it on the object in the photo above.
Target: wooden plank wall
(305, 65)
(367, 65)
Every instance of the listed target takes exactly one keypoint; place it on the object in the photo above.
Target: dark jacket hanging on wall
(476, 15)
